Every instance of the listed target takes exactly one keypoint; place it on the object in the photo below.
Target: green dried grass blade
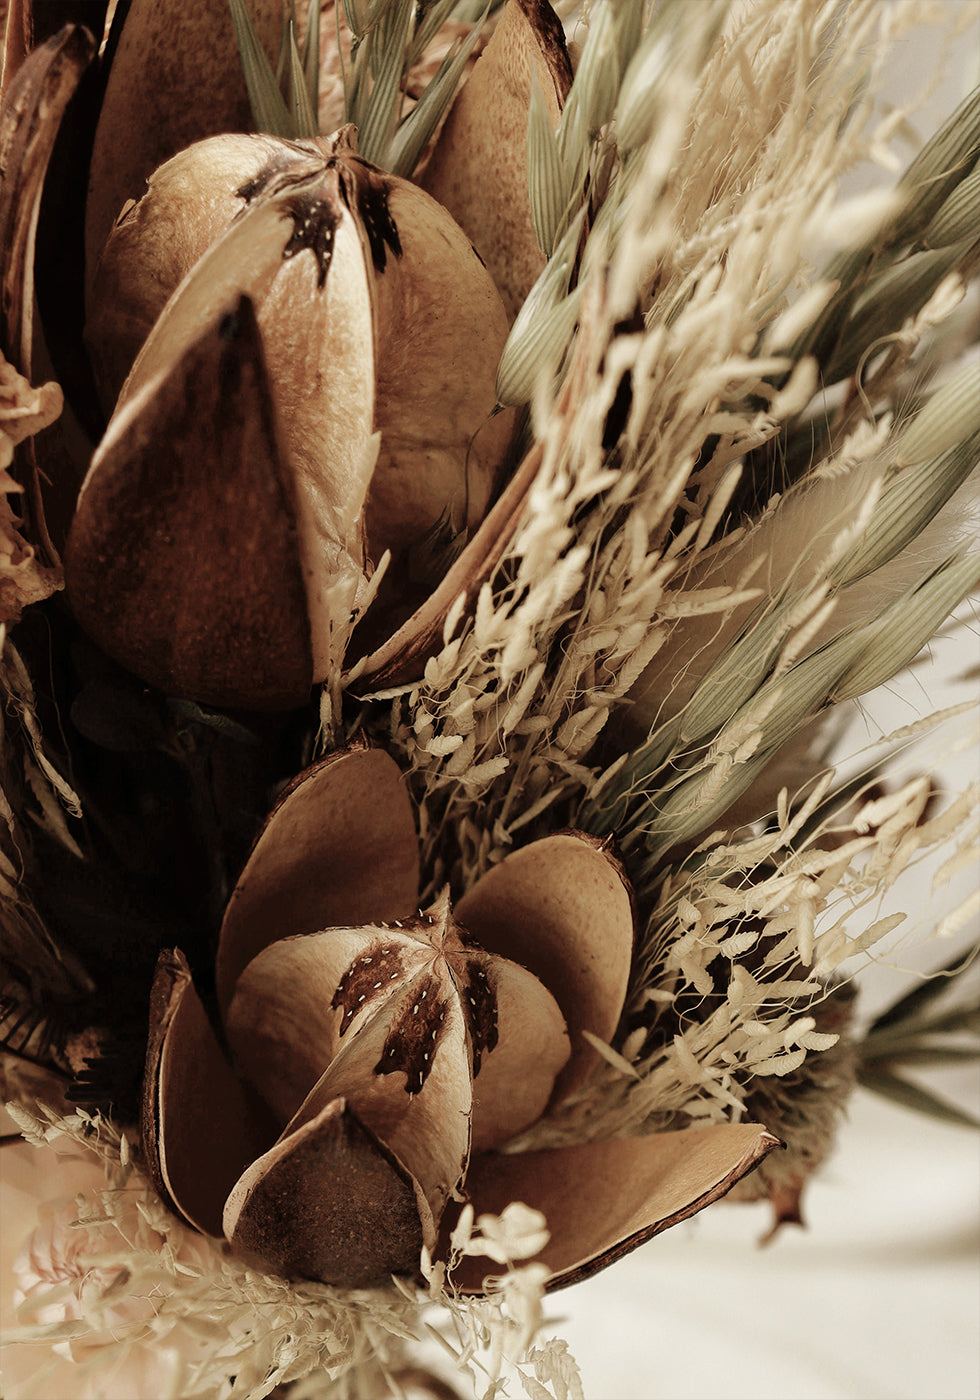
(923, 994)
(592, 98)
(648, 66)
(945, 160)
(958, 1020)
(311, 57)
(428, 24)
(950, 415)
(802, 691)
(903, 629)
(692, 808)
(470, 10)
(959, 216)
(909, 1095)
(735, 678)
(608, 812)
(547, 193)
(282, 57)
(629, 32)
(539, 354)
(896, 1041)
(305, 123)
(642, 91)
(357, 13)
(686, 807)
(539, 336)
(269, 111)
(909, 501)
(888, 302)
(415, 132)
(388, 43)
(932, 1055)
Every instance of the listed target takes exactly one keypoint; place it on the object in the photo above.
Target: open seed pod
(379, 1059)
(356, 417)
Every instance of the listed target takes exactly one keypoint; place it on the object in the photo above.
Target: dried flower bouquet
(439, 534)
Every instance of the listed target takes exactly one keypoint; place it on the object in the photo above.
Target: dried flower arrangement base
(424, 872)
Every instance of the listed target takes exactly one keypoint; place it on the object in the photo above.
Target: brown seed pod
(377, 334)
(381, 1061)
(478, 169)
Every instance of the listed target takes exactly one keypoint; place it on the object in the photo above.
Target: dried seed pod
(378, 332)
(478, 169)
(379, 1059)
(175, 78)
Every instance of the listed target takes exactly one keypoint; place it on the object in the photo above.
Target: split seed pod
(313, 347)
(378, 1058)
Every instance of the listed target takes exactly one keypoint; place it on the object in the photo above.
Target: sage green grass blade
(647, 67)
(782, 705)
(358, 15)
(944, 162)
(689, 813)
(904, 628)
(415, 132)
(923, 994)
(311, 57)
(889, 300)
(592, 98)
(666, 810)
(909, 1095)
(282, 58)
(936, 1056)
(387, 45)
(684, 807)
(925, 1032)
(429, 20)
(735, 678)
(950, 415)
(959, 1020)
(609, 810)
(959, 216)
(470, 10)
(539, 336)
(305, 122)
(269, 111)
(909, 501)
(548, 187)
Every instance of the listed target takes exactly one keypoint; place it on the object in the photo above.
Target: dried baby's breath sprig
(217, 1327)
(737, 1004)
